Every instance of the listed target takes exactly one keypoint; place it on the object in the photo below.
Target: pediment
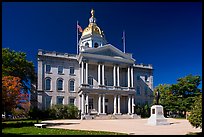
(108, 50)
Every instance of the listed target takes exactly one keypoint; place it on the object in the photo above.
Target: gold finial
(92, 12)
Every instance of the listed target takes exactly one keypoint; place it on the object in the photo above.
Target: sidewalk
(129, 126)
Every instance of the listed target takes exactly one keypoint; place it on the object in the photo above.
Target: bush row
(58, 111)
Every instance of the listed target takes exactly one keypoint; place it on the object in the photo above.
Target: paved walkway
(129, 126)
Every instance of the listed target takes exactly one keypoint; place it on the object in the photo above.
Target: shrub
(195, 117)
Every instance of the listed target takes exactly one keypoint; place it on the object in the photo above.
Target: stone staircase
(111, 116)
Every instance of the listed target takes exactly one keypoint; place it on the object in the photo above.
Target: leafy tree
(180, 96)
(195, 117)
(167, 100)
(11, 94)
(186, 89)
(15, 64)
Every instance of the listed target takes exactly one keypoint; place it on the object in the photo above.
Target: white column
(133, 104)
(118, 74)
(103, 103)
(103, 74)
(114, 76)
(129, 109)
(82, 104)
(86, 73)
(82, 72)
(128, 76)
(118, 104)
(79, 102)
(99, 104)
(132, 77)
(99, 74)
(87, 103)
(115, 107)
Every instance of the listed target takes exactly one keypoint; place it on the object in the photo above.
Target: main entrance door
(106, 109)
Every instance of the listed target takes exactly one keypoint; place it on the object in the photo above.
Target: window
(71, 100)
(47, 84)
(90, 103)
(59, 84)
(71, 70)
(48, 102)
(87, 44)
(146, 91)
(71, 85)
(106, 100)
(95, 45)
(138, 77)
(60, 69)
(138, 90)
(146, 78)
(90, 81)
(60, 99)
(48, 68)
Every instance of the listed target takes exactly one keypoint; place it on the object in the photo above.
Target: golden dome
(92, 27)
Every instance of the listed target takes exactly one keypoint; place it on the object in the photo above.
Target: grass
(52, 131)
(26, 127)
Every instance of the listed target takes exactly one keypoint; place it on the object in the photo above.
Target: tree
(167, 100)
(11, 93)
(195, 117)
(15, 64)
(180, 96)
(186, 89)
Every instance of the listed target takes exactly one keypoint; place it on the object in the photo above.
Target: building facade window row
(60, 84)
(60, 69)
(59, 100)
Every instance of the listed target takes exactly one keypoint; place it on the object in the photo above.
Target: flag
(79, 27)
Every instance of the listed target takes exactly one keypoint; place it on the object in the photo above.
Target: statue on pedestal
(157, 97)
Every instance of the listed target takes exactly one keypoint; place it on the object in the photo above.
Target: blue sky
(167, 35)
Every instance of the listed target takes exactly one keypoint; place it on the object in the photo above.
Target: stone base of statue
(157, 116)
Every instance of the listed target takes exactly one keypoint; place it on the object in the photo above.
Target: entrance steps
(117, 116)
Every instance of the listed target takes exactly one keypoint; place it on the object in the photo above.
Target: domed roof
(92, 28)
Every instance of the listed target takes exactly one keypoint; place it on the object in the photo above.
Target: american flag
(79, 27)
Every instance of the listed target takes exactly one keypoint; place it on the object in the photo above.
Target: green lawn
(26, 127)
(52, 131)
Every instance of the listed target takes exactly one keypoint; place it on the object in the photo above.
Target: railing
(54, 53)
(107, 87)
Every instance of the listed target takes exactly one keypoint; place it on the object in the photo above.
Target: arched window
(71, 85)
(95, 45)
(60, 84)
(47, 83)
(86, 44)
(90, 80)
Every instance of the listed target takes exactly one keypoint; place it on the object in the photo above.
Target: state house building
(100, 79)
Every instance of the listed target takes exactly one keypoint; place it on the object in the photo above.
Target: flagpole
(124, 41)
(77, 38)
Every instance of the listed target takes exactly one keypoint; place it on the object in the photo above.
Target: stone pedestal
(157, 116)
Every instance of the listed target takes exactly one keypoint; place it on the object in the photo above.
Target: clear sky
(167, 35)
